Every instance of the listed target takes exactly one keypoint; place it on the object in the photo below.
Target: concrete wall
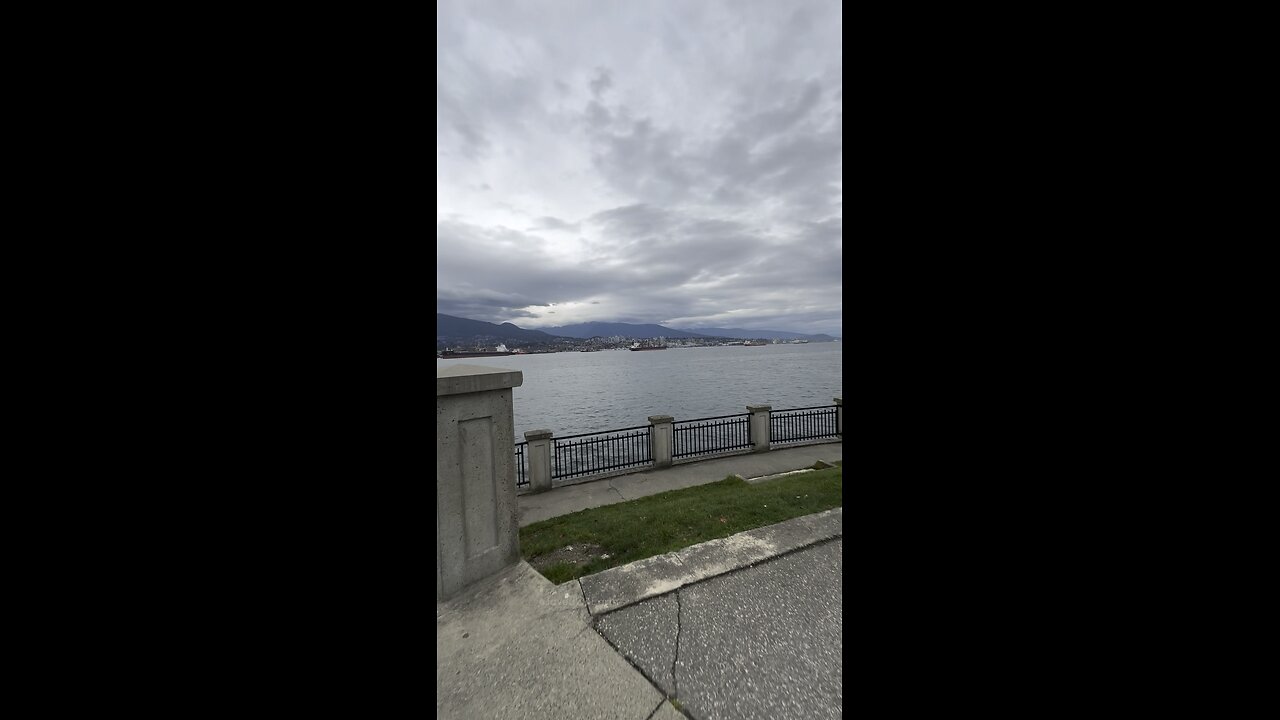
(477, 530)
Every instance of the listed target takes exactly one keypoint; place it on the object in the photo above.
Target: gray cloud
(551, 223)
(668, 162)
(601, 82)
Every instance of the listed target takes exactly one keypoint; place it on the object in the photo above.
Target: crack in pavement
(656, 709)
(675, 683)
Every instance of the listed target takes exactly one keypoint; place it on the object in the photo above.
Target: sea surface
(576, 392)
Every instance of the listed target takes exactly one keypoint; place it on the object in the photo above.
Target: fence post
(477, 528)
(539, 460)
(839, 416)
(662, 440)
(759, 427)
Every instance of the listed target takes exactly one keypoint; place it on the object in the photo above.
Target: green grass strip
(658, 524)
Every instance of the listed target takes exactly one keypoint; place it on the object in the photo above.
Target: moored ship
(499, 351)
(473, 353)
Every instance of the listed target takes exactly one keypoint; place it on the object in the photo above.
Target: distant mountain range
(603, 329)
(455, 327)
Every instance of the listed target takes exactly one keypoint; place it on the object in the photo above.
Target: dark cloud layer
(666, 161)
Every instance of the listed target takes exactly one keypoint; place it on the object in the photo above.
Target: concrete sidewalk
(572, 498)
(760, 643)
(618, 645)
(704, 631)
(516, 646)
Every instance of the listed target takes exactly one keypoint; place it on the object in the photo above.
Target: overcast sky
(676, 162)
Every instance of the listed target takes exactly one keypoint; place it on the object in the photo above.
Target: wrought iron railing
(576, 456)
(592, 453)
(704, 436)
(803, 424)
(522, 475)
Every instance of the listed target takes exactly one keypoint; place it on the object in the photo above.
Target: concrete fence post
(759, 427)
(539, 460)
(839, 416)
(477, 527)
(663, 442)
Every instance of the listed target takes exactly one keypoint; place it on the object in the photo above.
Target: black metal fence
(595, 453)
(803, 424)
(704, 436)
(592, 453)
(522, 475)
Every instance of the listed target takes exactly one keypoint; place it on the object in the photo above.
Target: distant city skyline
(664, 162)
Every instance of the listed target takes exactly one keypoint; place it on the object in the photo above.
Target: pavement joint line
(593, 625)
(656, 709)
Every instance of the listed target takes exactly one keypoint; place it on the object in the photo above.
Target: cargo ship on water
(499, 351)
(637, 346)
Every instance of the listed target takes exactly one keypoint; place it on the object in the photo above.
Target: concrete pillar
(477, 529)
(839, 416)
(759, 427)
(539, 459)
(662, 440)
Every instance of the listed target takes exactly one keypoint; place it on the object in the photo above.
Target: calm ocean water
(571, 393)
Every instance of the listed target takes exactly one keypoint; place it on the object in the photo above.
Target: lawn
(568, 547)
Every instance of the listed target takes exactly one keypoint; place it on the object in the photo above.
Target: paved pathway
(572, 498)
(517, 647)
(763, 642)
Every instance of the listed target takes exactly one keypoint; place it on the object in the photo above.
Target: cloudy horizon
(667, 162)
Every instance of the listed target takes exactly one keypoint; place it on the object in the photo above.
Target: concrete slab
(517, 646)
(625, 585)
(765, 642)
(647, 631)
(628, 584)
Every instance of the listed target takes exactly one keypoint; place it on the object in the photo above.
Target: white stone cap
(459, 379)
